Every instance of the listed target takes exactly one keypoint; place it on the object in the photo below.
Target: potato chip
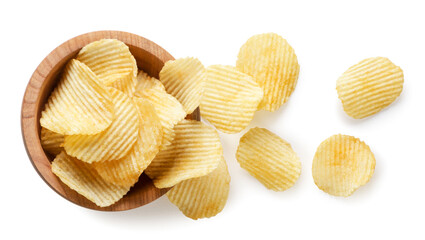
(113, 143)
(369, 86)
(195, 152)
(342, 164)
(126, 171)
(230, 99)
(127, 85)
(269, 159)
(184, 78)
(169, 111)
(145, 81)
(82, 178)
(272, 62)
(202, 197)
(79, 104)
(51, 142)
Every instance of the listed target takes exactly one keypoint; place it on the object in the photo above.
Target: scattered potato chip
(51, 142)
(82, 178)
(113, 143)
(269, 159)
(169, 111)
(145, 81)
(369, 86)
(184, 78)
(195, 152)
(126, 171)
(272, 62)
(202, 197)
(112, 62)
(342, 164)
(79, 104)
(230, 99)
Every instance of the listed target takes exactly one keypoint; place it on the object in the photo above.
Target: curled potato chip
(144, 81)
(342, 164)
(272, 62)
(82, 178)
(369, 86)
(230, 99)
(113, 143)
(79, 104)
(111, 60)
(169, 111)
(269, 159)
(196, 151)
(51, 142)
(184, 78)
(202, 197)
(126, 171)
(127, 85)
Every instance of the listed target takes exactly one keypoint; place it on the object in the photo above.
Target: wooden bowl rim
(29, 110)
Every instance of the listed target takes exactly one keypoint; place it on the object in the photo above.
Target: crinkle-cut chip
(126, 171)
(169, 111)
(184, 78)
(112, 62)
(145, 81)
(113, 143)
(272, 62)
(51, 142)
(196, 151)
(268, 158)
(342, 164)
(369, 86)
(231, 98)
(82, 178)
(202, 197)
(79, 104)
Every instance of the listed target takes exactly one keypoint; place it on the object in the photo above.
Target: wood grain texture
(150, 58)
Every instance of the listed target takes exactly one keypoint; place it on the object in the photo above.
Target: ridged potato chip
(369, 86)
(268, 158)
(51, 142)
(202, 197)
(231, 98)
(79, 104)
(169, 111)
(113, 143)
(184, 78)
(342, 164)
(112, 62)
(196, 151)
(272, 62)
(144, 81)
(126, 171)
(82, 178)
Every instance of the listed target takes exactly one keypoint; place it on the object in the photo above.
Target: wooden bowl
(150, 58)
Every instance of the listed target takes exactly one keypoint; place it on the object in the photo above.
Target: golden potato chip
(79, 104)
(342, 164)
(369, 86)
(51, 142)
(113, 143)
(110, 59)
(127, 85)
(169, 111)
(230, 99)
(269, 159)
(126, 171)
(202, 197)
(196, 151)
(82, 178)
(145, 81)
(184, 78)
(272, 62)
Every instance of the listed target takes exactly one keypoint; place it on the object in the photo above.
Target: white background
(328, 37)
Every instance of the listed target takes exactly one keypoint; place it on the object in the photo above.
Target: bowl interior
(150, 58)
